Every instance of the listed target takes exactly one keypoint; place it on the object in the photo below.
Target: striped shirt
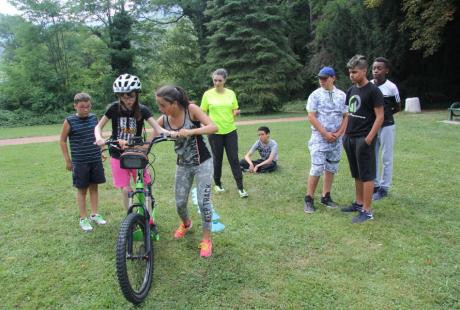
(81, 139)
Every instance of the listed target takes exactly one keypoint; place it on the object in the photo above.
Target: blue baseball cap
(326, 72)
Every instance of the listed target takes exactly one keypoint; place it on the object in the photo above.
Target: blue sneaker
(381, 193)
(362, 217)
(354, 207)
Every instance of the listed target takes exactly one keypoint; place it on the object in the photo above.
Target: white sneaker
(85, 225)
(98, 219)
(219, 189)
(243, 193)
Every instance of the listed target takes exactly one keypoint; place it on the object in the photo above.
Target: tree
(112, 23)
(121, 55)
(194, 10)
(31, 80)
(426, 21)
(177, 58)
(248, 38)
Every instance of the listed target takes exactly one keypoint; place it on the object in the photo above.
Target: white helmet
(126, 83)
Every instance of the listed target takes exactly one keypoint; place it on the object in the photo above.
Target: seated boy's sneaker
(362, 217)
(85, 225)
(328, 202)
(243, 193)
(182, 230)
(308, 205)
(381, 193)
(206, 248)
(98, 219)
(219, 189)
(354, 207)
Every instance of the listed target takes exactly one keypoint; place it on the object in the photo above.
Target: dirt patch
(43, 139)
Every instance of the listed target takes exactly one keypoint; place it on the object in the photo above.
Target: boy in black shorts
(365, 107)
(86, 161)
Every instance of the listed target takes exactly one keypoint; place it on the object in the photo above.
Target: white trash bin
(413, 105)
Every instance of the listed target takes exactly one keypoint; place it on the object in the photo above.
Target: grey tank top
(191, 151)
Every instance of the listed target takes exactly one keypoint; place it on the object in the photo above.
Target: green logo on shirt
(354, 103)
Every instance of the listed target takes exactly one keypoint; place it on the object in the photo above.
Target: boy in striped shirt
(85, 161)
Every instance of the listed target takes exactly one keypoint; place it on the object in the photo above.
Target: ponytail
(173, 93)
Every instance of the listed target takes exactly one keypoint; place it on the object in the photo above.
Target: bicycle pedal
(156, 237)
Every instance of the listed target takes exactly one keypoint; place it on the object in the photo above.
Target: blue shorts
(84, 174)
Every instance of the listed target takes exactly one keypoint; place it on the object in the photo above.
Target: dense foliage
(248, 38)
(272, 49)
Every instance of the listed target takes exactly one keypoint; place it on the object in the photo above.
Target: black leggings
(262, 169)
(228, 141)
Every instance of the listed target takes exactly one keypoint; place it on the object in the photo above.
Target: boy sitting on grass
(86, 163)
(268, 151)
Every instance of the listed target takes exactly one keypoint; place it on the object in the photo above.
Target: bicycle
(134, 251)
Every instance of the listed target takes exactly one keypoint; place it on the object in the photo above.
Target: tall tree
(112, 23)
(121, 54)
(50, 17)
(174, 10)
(249, 40)
(427, 20)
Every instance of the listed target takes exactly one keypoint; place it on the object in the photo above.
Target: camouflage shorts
(324, 156)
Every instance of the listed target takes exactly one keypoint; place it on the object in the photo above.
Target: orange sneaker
(182, 230)
(206, 248)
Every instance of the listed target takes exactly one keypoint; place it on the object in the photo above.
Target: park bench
(454, 110)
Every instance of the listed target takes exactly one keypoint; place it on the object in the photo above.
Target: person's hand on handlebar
(174, 134)
(122, 143)
(100, 142)
(183, 133)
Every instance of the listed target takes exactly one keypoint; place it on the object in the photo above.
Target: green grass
(271, 254)
(36, 131)
(52, 130)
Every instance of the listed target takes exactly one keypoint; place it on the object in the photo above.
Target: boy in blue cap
(328, 115)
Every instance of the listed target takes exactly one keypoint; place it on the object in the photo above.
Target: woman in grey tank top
(188, 123)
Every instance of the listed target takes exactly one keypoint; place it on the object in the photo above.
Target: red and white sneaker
(182, 230)
(206, 248)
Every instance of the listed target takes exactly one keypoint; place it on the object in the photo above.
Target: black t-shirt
(361, 102)
(124, 123)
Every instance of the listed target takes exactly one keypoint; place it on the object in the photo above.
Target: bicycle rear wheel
(134, 262)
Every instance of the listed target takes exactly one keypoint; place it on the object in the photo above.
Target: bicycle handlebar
(138, 141)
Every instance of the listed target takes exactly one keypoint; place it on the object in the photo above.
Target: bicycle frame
(136, 228)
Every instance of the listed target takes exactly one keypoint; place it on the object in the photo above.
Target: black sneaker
(376, 189)
(328, 202)
(354, 207)
(309, 206)
(362, 217)
(381, 193)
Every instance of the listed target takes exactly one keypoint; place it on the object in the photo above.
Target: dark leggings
(262, 169)
(228, 141)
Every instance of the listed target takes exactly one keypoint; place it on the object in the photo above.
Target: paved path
(43, 139)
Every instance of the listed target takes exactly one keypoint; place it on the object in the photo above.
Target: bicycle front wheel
(134, 261)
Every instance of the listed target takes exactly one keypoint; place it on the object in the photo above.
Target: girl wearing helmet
(127, 116)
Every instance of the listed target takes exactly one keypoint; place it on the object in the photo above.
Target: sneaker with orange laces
(182, 230)
(206, 248)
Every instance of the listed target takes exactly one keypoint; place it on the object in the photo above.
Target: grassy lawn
(52, 130)
(36, 131)
(271, 254)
